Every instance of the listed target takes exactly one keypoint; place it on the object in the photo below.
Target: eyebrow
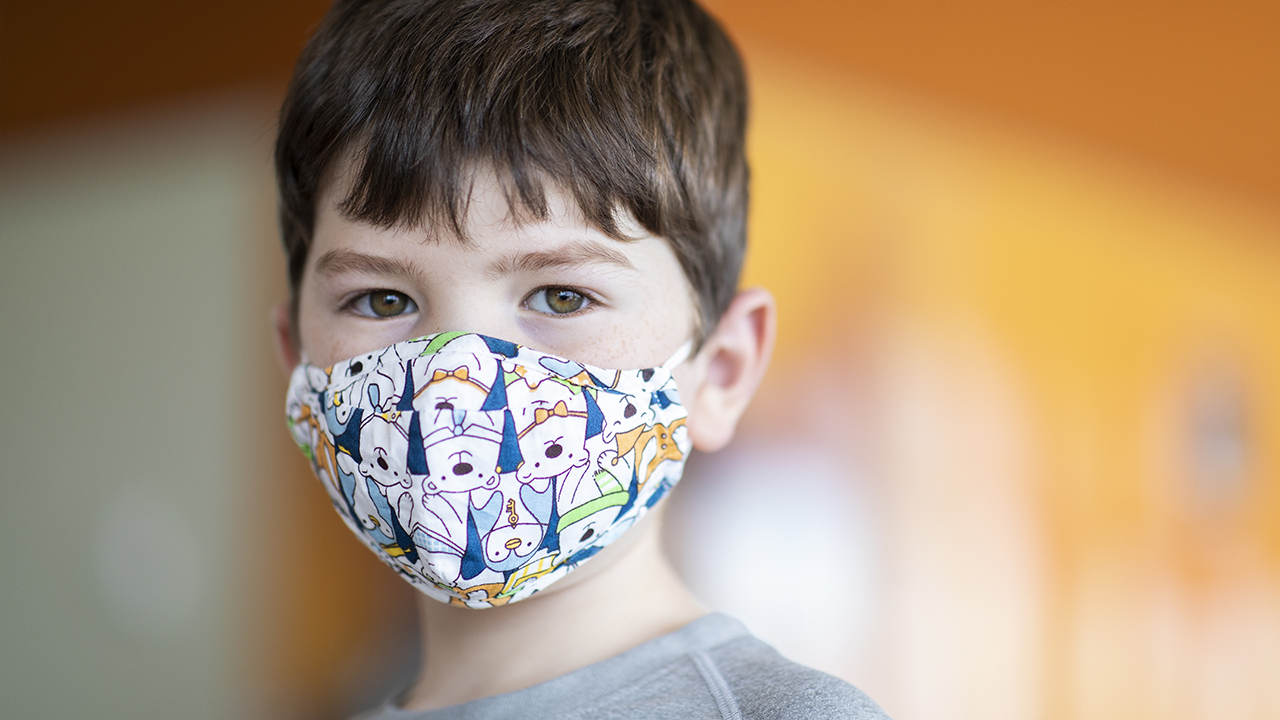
(336, 262)
(573, 255)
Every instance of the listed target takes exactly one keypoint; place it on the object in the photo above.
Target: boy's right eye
(383, 304)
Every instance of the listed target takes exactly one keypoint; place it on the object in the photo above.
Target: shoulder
(711, 668)
(763, 684)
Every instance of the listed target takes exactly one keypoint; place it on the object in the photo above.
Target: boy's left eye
(557, 301)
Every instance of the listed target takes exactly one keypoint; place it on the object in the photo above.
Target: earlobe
(732, 363)
(286, 347)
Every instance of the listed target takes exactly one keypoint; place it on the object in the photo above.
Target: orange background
(1188, 86)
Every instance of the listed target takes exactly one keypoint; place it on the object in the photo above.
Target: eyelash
(367, 296)
(590, 298)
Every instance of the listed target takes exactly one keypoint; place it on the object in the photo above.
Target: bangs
(534, 109)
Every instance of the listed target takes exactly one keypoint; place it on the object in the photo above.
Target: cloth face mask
(483, 471)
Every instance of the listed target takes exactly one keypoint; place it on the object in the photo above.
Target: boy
(514, 229)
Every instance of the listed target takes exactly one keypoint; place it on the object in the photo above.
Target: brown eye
(384, 304)
(557, 301)
(562, 300)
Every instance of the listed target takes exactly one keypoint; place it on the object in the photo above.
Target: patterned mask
(483, 471)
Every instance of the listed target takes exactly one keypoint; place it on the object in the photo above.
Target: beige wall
(128, 307)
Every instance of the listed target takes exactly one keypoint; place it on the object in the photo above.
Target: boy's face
(559, 286)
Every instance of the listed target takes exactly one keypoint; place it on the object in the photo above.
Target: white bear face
(380, 386)
(581, 534)
(453, 381)
(382, 450)
(508, 546)
(623, 412)
(513, 525)
(347, 385)
(552, 420)
(462, 461)
(553, 448)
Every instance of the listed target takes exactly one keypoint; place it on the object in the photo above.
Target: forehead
(493, 222)
(479, 196)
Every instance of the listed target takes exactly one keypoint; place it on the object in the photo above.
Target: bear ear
(473, 556)
(595, 418)
(406, 397)
(416, 458)
(349, 440)
(509, 457)
(504, 348)
(497, 397)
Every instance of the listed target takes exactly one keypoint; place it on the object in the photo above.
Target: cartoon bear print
(384, 382)
(461, 459)
(623, 412)
(460, 462)
(383, 444)
(583, 528)
(348, 383)
(553, 422)
(440, 531)
(453, 383)
(513, 525)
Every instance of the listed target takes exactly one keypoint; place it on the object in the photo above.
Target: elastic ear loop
(681, 354)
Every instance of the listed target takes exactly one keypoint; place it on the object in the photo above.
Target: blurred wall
(128, 302)
(1027, 264)
(1186, 86)
(65, 61)
(1033, 393)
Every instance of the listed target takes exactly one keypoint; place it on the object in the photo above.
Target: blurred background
(1027, 261)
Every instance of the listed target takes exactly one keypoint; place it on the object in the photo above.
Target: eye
(557, 301)
(383, 304)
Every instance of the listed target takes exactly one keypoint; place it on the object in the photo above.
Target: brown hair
(631, 104)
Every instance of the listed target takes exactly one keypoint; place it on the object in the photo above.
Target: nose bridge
(466, 300)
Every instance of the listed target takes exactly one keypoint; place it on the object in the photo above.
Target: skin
(630, 307)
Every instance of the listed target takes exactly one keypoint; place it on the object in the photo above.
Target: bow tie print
(540, 415)
(460, 373)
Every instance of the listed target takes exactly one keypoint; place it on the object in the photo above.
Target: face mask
(483, 471)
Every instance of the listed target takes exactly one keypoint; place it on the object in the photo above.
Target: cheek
(328, 334)
(643, 337)
(319, 344)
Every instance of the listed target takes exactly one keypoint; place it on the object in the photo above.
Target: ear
(286, 347)
(730, 366)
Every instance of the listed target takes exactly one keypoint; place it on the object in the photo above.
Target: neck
(470, 654)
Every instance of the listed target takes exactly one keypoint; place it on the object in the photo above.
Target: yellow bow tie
(460, 373)
(541, 414)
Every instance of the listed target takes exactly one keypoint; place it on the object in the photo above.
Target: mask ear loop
(681, 354)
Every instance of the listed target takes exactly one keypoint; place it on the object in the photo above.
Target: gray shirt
(711, 668)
